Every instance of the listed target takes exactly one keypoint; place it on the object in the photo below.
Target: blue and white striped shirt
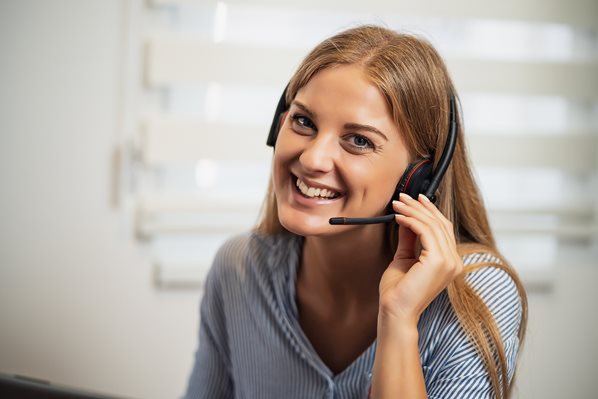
(252, 346)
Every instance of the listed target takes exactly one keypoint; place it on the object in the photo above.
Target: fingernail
(404, 196)
(397, 203)
(424, 197)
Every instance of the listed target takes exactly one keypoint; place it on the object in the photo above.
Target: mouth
(314, 192)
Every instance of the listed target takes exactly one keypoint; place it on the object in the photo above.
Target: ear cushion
(415, 179)
(274, 129)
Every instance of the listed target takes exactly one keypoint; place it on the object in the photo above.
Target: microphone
(429, 187)
(374, 220)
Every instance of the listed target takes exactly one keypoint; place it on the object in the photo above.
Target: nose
(320, 154)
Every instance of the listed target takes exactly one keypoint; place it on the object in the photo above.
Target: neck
(346, 268)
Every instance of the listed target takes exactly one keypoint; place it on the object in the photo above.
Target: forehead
(347, 82)
(346, 92)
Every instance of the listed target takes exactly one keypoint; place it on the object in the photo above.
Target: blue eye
(361, 141)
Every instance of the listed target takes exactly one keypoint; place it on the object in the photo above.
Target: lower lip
(310, 202)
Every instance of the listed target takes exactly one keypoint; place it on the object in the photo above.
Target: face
(338, 153)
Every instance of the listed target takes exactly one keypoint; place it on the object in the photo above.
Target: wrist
(397, 325)
(394, 317)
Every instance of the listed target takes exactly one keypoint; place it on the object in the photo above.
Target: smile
(315, 192)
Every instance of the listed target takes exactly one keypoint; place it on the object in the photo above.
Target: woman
(424, 306)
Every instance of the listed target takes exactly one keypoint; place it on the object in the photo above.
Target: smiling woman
(422, 307)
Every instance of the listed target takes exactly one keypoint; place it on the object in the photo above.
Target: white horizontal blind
(527, 73)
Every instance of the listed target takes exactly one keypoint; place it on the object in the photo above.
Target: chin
(304, 224)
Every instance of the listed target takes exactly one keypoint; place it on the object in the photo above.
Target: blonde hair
(414, 80)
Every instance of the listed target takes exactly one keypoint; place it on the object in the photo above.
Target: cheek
(376, 176)
(276, 174)
(280, 163)
(287, 148)
(379, 184)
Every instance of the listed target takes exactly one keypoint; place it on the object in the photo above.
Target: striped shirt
(251, 344)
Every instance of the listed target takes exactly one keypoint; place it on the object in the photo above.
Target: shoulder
(448, 354)
(253, 246)
(249, 253)
(497, 289)
(439, 324)
(486, 275)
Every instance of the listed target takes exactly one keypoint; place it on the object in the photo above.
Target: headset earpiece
(278, 120)
(416, 178)
(419, 177)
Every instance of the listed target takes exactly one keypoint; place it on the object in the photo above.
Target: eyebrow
(357, 126)
(305, 109)
(369, 128)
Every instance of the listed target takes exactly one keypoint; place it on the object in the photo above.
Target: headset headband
(447, 153)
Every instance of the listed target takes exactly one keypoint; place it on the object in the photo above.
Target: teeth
(315, 192)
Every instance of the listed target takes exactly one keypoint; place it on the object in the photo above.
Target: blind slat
(535, 151)
(583, 13)
(574, 80)
(172, 61)
(175, 141)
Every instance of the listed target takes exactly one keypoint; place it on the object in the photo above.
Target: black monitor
(19, 387)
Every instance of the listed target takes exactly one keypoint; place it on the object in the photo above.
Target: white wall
(77, 304)
(560, 356)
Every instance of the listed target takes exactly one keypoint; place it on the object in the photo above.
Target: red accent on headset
(412, 172)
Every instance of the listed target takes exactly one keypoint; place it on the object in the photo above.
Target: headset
(418, 178)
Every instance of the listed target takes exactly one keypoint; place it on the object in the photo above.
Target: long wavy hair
(413, 78)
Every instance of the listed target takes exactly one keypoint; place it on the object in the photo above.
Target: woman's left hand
(410, 284)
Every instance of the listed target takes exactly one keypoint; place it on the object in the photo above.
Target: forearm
(397, 369)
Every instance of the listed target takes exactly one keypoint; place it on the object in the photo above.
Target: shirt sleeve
(462, 374)
(211, 374)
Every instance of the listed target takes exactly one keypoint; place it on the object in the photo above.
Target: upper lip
(314, 184)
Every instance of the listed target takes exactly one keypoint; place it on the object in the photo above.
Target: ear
(283, 117)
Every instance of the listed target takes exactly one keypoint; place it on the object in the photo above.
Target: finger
(407, 238)
(406, 199)
(427, 210)
(425, 233)
(434, 256)
(440, 242)
(408, 206)
(447, 225)
(416, 210)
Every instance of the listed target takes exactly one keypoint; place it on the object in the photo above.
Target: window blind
(211, 73)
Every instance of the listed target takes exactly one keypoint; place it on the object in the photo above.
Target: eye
(360, 143)
(302, 123)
